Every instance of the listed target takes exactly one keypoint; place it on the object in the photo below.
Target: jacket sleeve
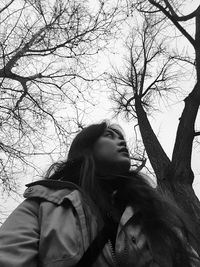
(19, 236)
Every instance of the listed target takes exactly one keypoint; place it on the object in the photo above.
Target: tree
(46, 52)
(135, 91)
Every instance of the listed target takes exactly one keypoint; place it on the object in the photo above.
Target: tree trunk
(180, 189)
(181, 159)
(176, 177)
(185, 197)
(197, 43)
(157, 156)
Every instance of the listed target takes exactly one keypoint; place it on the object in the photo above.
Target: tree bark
(182, 153)
(184, 195)
(176, 177)
(197, 43)
(157, 156)
(181, 159)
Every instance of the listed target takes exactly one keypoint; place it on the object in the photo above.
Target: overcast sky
(164, 124)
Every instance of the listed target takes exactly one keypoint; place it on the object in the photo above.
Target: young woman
(91, 210)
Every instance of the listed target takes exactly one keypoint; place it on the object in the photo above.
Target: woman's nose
(121, 143)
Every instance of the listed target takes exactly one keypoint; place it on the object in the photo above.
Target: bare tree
(46, 52)
(136, 89)
(148, 73)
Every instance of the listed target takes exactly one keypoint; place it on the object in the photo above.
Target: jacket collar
(54, 184)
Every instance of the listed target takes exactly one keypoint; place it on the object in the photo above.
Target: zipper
(113, 253)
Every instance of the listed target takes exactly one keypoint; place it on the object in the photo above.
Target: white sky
(164, 124)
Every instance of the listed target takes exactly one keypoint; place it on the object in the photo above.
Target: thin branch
(180, 18)
(141, 166)
(156, 80)
(23, 50)
(174, 21)
(24, 85)
(133, 68)
(187, 60)
(6, 6)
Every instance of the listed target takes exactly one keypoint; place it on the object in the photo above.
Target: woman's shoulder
(62, 193)
(52, 191)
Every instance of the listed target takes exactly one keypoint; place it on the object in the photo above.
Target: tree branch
(6, 6)
(180, 18)
(22, 51)
(174, 21)
(184, 59)
(196, 133)
(24, 85)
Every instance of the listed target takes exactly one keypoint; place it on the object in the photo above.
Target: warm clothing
(55, 225)
(50, 228)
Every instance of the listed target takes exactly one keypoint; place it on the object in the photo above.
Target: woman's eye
(108, 134)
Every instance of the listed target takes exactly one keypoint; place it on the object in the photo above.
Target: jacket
(54, 226)
(49, 228)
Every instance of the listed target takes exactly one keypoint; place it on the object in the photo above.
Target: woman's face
(110, 153)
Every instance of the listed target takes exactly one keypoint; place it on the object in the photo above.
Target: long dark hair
(167, 228)
(79, 167)
(165, 225)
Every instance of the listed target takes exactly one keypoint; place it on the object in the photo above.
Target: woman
(91, 210)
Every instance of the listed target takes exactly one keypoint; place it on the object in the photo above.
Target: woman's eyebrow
(116, 132)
